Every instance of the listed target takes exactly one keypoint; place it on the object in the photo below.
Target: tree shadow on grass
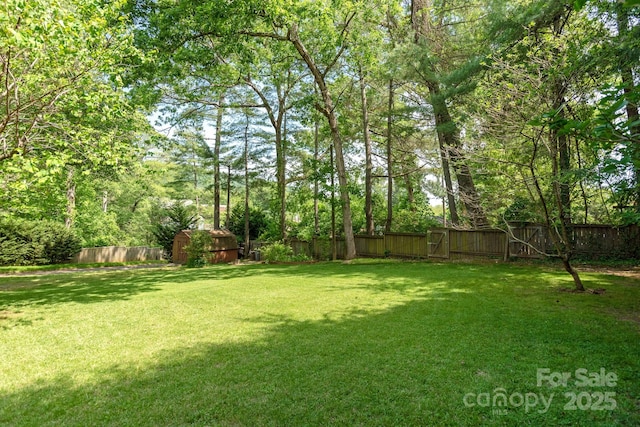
(411, 364)
(101, 286)
(81, 288)
(109, 285)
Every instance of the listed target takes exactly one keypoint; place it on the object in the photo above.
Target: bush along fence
(117, 254)
(35, 242)
(526, 241)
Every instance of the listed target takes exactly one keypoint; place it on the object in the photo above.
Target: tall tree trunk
(227, 221)
(216, 165)
(633, 116)
(278, 122)
(583, 191)
(328, 110)
(559, 139)
(448, 133)
(368, 181)
(333, 207)
(561, 157)
(282, 167)
(448, 183)
(449, 139)
(559, 235)
(408, 185)
(105, 201)
(194, 170)
(561, 168)
(71, 198)
(316, 158)
(389, 221)
(247, 228)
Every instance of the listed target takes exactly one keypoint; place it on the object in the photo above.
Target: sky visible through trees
(502, 112)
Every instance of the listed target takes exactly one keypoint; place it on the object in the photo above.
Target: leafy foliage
(258, 223)
(280, 252)
(78, 74)
(177, 218)
(36, 242)
(62, 63)
(198, 248)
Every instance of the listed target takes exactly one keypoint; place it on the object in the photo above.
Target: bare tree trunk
(216, 165)
(278, 122)
(583, 192)
(282, 167)
(316, 210)
(194, 169)
(71, 199)
(333, 209)
(448, 133)
(368, 187)
(247, 229)
(633, 116)
(389, 221)
(561, 156)
(448, 184)
(449, 140)
(105, 201)
(411, 199)
(574, 274)
(560, 236)
(227, 221)
(328, 109)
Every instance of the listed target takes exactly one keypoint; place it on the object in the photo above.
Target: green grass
(72, 266)
(367, 343)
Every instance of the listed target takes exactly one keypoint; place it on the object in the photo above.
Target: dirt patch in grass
(9, 315)
(6, 314)
(596, 291)
(88, 269)
(632, 272)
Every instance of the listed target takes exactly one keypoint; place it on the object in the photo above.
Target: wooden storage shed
(225, 246)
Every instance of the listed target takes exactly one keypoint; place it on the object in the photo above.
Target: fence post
(506, 247)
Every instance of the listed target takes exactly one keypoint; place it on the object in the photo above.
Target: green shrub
(36, 242)
(280, 252)
(14, 251)
(198, 248)
(57, 243)
(258, 223)
(177, 217)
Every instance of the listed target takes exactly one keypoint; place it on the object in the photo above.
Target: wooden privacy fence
(529, 241)
(370, 246)
(589, 241)
(117, 254)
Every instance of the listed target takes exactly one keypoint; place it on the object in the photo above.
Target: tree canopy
(328, 117)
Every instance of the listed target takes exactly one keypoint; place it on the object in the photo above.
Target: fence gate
(527, 242)
(438, 243)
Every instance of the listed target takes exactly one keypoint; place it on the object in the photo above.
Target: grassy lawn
(69, 266)
(367, 343)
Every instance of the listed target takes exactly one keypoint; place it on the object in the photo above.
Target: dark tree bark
(633, 115)
(216, 165)
(277, 120)
(71, 198)
(368, 180)
(247, 237)
(560, 235)
(316, 158)
(328, 110)
(449, 141)
(447, 131)
(389, 221)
